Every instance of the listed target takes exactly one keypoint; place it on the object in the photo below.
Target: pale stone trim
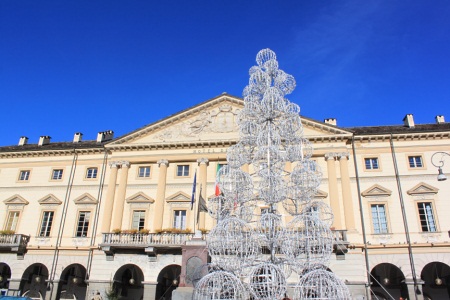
(140, 198)
(422, 188)
(86, 198)
(49, 199)
(376, 190)
(16, 200)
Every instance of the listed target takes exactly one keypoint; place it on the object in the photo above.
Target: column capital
(162, 162)
(330, 155)
(203, 161)
(124, 163)
(113, 164)
(341, 155)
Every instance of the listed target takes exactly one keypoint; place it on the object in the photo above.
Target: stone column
(203, 163)
(107, 212)
(346, 192)
(333, 190)
(150, 290)
(160, 195)
(120, 199)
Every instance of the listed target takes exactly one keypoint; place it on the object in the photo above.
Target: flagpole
(194, 195)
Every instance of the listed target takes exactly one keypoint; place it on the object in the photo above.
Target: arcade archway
(33, 283)
(5, 275)
(168, 280)
(128, 283)
(436, 277)
(71, 284)
(388, 282)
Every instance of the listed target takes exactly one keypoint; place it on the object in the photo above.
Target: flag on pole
(201, 204)
(193, 190)
(217, 189)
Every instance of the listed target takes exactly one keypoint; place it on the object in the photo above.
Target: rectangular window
(11, 222)
(83, 223)
(379, 220)
(138, 219)
(183, 170)
(57, 174)
(46, 225)
(91, 173)
(415, 161)
(427, 222)
(371, 163)
(24, 175)
(179, 219)
(144, 172)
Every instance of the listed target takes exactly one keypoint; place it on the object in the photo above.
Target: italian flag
(217, 180)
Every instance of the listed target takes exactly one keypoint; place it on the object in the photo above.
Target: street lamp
(441, 175)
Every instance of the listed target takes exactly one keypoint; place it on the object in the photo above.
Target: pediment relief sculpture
(86, 198)
(16, 200)
(376, 191)
(49, 199)
(422, 188)
(140, 198)
(218, 120)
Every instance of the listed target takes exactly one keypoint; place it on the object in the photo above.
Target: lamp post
(440, 164)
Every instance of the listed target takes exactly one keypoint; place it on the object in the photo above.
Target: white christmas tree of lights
(253, 254)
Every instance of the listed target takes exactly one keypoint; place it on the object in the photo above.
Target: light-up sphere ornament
(233, 244)
(220, 285)
(321, 284)
(307, 241)
(267, 282)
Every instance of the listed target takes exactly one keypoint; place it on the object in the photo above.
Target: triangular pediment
(140, 198)
(16, 200)
(376, 191)
(422, 188)
(86, 198)
(179, 197)
(49, 199)
(213, 121)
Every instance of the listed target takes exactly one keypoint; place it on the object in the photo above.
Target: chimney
(440, 119)
(330, 121)
(77, 137)
(408, 120)
(104, 136)
(23, 140)
(44, 140)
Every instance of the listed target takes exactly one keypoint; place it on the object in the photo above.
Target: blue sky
(89, 66)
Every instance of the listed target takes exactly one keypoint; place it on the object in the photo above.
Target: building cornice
(169, 145)
(50, 153)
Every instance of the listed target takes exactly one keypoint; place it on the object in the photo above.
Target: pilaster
(120, 199)
(333, 190)
(160, 195)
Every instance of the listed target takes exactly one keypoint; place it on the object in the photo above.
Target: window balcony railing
(146, 239)
(14, 242)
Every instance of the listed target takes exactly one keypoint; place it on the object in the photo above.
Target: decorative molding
(113, 164)
(49, 199)
(329, 155)
(203, 161)
(422, 188)
(376, 191)
(86, 198)
(124, 163)
(140, 198)
(16, 200)
(320, 194)
(162, 162)
(179, 197)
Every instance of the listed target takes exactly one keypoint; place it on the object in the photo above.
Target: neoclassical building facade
(116, 214)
